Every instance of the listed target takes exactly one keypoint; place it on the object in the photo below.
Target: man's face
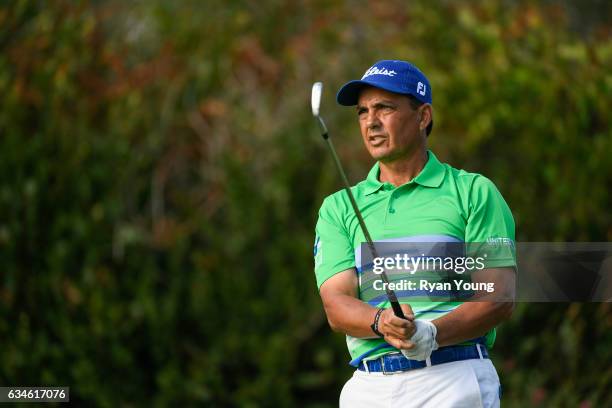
(389, 125)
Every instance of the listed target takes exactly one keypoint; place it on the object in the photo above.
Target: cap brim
(348, 95)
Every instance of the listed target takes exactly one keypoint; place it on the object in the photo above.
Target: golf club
(317, 90)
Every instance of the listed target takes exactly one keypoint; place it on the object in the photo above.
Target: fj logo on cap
(375, 71)
(421, 89)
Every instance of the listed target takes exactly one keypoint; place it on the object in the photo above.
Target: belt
(397, 363)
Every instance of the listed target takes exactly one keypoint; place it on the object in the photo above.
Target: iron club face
(315, 104)
(315, 98)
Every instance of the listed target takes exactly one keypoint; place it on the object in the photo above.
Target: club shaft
(347, 187)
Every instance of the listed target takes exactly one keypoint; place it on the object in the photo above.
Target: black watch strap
(374, 325)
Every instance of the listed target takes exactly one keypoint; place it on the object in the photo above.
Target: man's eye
(360, 112)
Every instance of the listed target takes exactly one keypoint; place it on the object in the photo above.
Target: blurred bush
(161, 176)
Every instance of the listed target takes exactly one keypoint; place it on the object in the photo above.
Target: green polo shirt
(441, 204)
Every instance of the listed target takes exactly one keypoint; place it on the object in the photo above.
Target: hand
(424, 340)
(397, 331)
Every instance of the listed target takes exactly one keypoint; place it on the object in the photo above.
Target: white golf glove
(424, 339)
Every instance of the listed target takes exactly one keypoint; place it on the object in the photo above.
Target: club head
(315, 99)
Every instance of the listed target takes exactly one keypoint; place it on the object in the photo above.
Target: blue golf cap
(391, 75)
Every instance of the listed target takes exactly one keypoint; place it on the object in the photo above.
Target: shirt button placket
(391, 203)
(390, 209)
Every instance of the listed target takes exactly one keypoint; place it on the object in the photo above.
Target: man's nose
(372, 121)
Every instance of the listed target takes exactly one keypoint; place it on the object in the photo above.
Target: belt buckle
(384, 371)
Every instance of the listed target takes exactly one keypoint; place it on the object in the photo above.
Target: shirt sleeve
(333, 250)
(490, 228)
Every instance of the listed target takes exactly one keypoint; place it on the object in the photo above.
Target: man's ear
(424, 116)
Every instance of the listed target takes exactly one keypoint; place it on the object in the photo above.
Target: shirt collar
(431, 175)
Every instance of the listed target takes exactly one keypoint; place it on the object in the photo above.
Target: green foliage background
(160, 176)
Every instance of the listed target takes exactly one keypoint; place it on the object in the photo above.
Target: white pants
(468, 383)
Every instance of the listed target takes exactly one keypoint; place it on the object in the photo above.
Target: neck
(399, 172)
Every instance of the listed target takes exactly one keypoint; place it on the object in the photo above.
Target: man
(438, 355)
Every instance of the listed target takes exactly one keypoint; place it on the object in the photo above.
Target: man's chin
(384, 157)
(390, 155)
(379, 154)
